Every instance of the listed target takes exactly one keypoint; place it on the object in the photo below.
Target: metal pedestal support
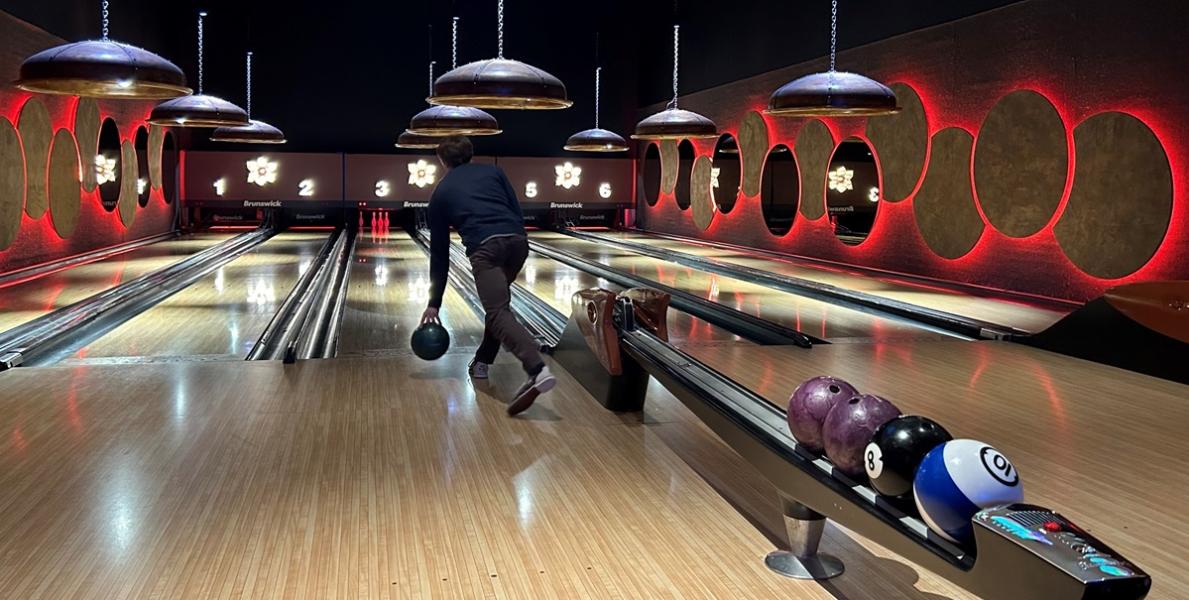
(802, 560)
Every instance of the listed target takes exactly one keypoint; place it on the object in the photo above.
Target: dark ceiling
(347, 75)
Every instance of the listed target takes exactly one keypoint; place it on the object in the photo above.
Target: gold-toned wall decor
(701, 196)
(12, 183)
(813, 147)
(156, 141)
(36, 135)
(669, 166)
(128, 176)
(86, 133)
(944, 207)
(902, 142)
(65, 186)
(1021, 163)
(1121, 203)
(753, 147)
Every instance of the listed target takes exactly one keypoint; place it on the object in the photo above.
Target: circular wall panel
(669, 166)
(902, 142)
(780, 190)
(128, 172)
(725, 174)
(12, 183)
(36, 135)
(1121, 202)
(944, 207)
(65, 189)
(1021, 162)
(701, 195)
(86, 131)
(156, 140)
(814, 145)
(852, 190)
(753, 148)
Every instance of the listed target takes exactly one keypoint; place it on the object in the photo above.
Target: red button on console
(1052, 526)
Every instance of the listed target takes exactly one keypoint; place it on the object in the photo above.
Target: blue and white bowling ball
(959, 478)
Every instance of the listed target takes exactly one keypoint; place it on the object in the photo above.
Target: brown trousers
(496, 264)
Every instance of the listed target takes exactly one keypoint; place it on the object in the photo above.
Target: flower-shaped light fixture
(422, 173)
(198, 110)
(841, 179)
(262, 171)
(568, 175)
(105, 169)
(833, 93)
(102, 68)
(500, 83)
(255, 132)
(412, 141)
(444, 119)
(596, 139)
(674, 123)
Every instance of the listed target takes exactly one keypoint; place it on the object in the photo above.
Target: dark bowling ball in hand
(849, 427)
(895, 452)
(809, 405)
(430, 341)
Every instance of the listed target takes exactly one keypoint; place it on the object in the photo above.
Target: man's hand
(430, 316)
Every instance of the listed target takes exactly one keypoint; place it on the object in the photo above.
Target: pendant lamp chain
(500, 50)
(249, 98)
(676, 56)
(431, 64)
(200, 74)
(453, 45)
(833, 33)
(105, 14)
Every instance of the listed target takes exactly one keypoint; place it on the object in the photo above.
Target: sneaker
(535, 386)
(478, 370)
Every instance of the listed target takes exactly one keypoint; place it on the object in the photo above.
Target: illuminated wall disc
(814, 145)
(701, 196)
(12, 183)
(86, 131)
(669, 166)
(1021, 162)
(902, 141)
(36, 135)
(128, 172)
(156, 141)
(65, 187)
(753, 147)
(944, 207)
(1121, 202)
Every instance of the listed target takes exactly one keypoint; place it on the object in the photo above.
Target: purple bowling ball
(848, 429)
(809, 405)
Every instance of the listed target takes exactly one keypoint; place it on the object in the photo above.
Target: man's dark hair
(455, 150)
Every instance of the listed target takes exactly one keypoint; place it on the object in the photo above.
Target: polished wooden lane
(25, 301)
(387, 290)
(219, 316)
(352, 478)
(1031, 316)
(1101, 445)
(814, 317)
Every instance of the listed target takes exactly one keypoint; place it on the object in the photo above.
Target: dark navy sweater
(479, 202)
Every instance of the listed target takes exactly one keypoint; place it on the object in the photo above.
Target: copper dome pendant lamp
(443, 119)
(500, 83)
(198, 110)
(102, 68)
(833, 93)
(255, 132)
(596, 139)
(412, 141)
(674, 123)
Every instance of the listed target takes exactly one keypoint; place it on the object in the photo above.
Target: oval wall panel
(156, 141)
(65, 189)
(1121, 202)
(86, 132)
(814, 145)
(669, 166)
(128, 174)
(753, 148)
(902, 142)
(12, 183)
(1021, 163)
(36, 135)
(701, 196)
(944, 207)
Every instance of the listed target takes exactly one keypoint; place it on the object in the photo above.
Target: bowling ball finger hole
(834, 389)
(854, 400)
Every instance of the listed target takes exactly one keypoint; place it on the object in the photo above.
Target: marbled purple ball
(809, 405)
(848, 429)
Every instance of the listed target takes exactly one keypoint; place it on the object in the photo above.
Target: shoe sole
(527, 397)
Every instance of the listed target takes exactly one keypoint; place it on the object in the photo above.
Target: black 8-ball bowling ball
(897, 449)
(430, 341)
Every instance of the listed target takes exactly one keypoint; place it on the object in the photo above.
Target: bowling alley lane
(813, 317)
(1098, 444)
(27, 300)
(387, 291)
(222, 314)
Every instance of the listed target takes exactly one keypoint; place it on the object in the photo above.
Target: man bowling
(479, 202)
